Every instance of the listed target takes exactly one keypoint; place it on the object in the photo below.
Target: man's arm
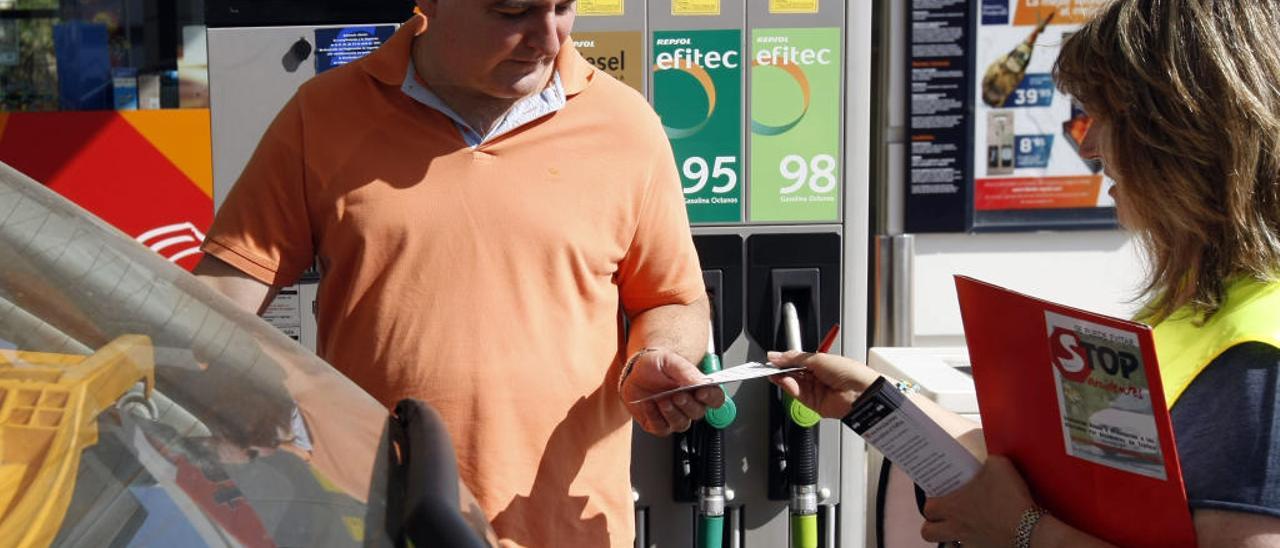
(663, 345)
(680, 328)
(246, 291)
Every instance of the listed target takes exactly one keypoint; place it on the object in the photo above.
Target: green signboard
(697, 91)
(795, 125)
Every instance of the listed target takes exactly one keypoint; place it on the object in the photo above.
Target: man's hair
(1191, 92)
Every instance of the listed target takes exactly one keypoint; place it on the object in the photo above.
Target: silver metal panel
(857, 239)
(248, 83)
(893, 91)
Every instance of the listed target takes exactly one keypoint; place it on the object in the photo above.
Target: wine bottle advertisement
(1026, 133)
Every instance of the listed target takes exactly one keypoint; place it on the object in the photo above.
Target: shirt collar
(387, 63)
(523, 112)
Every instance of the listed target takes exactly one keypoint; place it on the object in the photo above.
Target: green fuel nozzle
(711, 492)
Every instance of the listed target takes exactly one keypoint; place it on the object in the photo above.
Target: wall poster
(994, 144)
(1027, 170)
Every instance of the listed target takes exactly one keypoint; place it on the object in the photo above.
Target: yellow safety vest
(1250, 313)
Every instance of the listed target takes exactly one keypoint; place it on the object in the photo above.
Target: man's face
(504, 49)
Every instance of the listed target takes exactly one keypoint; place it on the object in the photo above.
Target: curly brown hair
(1190, 91)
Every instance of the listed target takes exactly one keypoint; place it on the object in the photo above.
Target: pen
(829, 339)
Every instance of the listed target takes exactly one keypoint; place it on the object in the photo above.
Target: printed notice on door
(695, 7)
(600, 7)
(793, 6)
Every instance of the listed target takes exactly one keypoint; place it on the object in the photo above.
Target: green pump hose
(711, 481)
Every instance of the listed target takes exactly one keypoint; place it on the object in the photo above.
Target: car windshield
(139, 407)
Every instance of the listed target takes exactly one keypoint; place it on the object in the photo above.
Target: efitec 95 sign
(697, 91)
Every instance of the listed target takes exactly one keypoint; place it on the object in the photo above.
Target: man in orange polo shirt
(483, 204)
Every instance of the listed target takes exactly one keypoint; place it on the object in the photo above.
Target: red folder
(1074, 399)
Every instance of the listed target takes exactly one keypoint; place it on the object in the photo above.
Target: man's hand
(657, 371)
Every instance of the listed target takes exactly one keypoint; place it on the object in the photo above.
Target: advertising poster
(795, 124)
(938, 122)
(621, 54)
(697, 91)
(1027, 169)
(1108, 416)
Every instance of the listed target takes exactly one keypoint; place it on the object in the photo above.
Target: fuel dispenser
(756, 99)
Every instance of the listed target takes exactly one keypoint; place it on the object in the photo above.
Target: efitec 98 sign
(795, 125)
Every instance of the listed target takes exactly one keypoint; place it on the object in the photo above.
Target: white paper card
(746, 371)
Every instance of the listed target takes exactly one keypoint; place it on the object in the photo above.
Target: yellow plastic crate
(49, 407)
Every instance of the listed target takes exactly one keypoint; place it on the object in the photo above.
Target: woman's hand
(985, 512)
(829, 383)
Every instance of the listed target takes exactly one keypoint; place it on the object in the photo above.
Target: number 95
(695, 169)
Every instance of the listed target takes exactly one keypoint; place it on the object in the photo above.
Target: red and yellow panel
(1020, 193)
(147, 172)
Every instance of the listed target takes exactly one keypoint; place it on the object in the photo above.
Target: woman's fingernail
(774, 355)
(681, 399)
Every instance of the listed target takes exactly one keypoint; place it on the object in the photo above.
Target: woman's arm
(986, 512)
(1238, 529)
(831, 383)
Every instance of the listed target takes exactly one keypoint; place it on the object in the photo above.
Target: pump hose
(803, 458)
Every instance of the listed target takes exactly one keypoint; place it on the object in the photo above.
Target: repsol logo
(1076, 359)
(673, 42)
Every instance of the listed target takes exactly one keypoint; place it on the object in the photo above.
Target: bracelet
(907, 387)
(631, 362)
(1027, 524)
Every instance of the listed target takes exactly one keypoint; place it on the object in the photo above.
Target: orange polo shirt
(484, 281)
